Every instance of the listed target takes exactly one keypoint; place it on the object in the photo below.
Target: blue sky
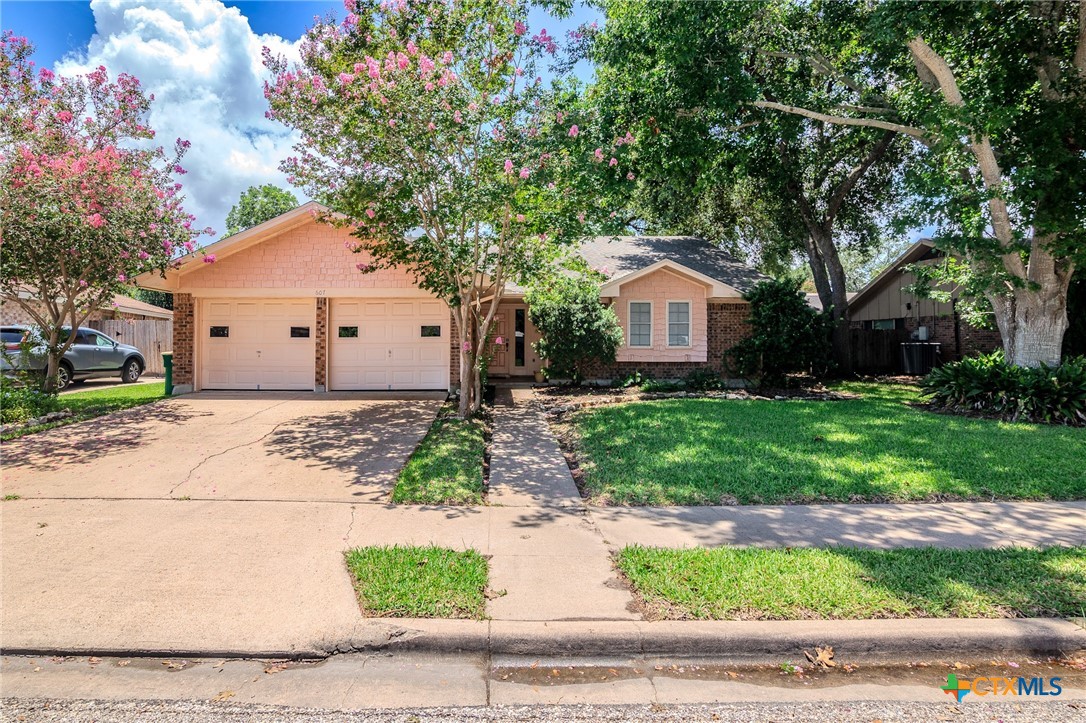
(201, 59)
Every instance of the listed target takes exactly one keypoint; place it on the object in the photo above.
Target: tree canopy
(257, 205)
(86, 202)
(426, 129)
(993, 97)
(712, 162)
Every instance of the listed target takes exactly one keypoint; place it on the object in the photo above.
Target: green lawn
(419, 582)
(96, 402)
(447, 467)
(874, 449)
(849, 583)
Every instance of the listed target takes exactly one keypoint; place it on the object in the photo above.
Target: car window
(83, 337)
(12, 336)
(103, 341)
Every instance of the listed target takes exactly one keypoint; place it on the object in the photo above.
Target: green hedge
(989, 385)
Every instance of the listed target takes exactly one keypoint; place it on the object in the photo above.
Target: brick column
(184, 342)
(320, 381)
(454, 351)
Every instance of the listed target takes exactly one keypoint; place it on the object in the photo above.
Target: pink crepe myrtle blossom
(508, 166)
(429, 86)
(613, 162)
(64, 116)
(524, 173)
(466, 346)
(499, 341)
(574, 131)
(519, 28)
(457, 117)
(95, 220)
(520, 218)
(370, 213)
(363, 267)
(82, 283)
(122, 278)
(630, 176)
(210, 258)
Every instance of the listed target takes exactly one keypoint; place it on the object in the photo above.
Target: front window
(678, 323)
(519, 326)
(641, 323)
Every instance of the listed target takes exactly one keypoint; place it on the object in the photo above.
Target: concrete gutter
(725, 641)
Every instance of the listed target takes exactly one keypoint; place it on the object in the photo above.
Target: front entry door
(499, 346)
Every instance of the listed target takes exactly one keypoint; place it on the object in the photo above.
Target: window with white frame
(640, 323)
(678, 323)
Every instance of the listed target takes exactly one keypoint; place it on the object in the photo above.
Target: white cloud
(202, 62)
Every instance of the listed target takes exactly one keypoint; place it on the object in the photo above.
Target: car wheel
(64, 377)
(131, 372)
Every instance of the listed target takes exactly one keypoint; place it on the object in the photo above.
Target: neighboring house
(885, 304)
(122, 307)
(815, 302)
(283, 306)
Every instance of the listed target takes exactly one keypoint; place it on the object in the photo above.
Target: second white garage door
(388, 344)
(257, 343)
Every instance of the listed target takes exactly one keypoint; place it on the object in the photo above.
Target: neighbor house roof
(623, 256)
(816, 303)
(129, 305)
(920, 250)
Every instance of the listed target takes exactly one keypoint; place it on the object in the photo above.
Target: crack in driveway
(205, 460)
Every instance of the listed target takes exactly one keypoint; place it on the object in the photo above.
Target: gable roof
(626, 255)
(231, 245)
(920, 250)
(815, 302)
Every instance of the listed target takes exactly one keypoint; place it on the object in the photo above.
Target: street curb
(739, 641)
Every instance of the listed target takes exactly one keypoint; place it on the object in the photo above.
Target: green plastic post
(167, 362)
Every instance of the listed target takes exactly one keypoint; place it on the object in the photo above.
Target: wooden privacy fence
(150, 336)
(877, 350)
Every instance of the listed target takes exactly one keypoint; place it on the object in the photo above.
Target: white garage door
(258, 343)
(383, 344)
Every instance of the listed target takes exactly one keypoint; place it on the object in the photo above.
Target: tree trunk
(842, 339)
(467, 362)
(818, 273)
(1032, 324)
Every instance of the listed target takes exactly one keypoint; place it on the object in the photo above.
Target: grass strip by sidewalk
(418, 582)
(873, 449)
(849, 583)
(447, 466)
(96, 402)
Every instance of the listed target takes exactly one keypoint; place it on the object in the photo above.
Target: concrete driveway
(211, 521)
(228, 446)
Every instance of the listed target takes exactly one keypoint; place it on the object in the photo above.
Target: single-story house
(886, 304)
(283, 306)
(122, 307)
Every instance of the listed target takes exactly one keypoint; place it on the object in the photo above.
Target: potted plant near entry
(540, 376)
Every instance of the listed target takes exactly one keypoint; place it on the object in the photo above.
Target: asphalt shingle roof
(627, 254)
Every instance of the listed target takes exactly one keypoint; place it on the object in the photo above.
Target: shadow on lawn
(83, 442)
(370, 444)
(1011, 582)
(720, 451)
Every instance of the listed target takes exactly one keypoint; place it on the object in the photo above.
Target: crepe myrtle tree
(87, 202)
(424, 128)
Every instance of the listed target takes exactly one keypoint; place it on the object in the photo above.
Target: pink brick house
(284, 307)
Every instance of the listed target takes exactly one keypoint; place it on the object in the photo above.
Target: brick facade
(184, 339)
(973, 341)
(320, 379)
(727, 326)
(454, 351)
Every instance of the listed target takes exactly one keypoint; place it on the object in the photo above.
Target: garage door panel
(389, 352)
(259, 351)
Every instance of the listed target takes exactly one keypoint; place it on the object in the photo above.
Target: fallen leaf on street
(224, 695)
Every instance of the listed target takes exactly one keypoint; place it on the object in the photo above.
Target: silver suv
(92, 354)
